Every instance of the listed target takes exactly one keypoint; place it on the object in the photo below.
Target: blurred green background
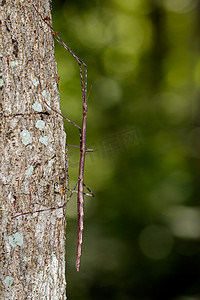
(142, 229)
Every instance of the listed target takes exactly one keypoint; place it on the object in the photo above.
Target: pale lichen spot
(44, 140)
(29, 171)
(29, 217)
(35, 82)
(51, 149)
(44, 93)
(26, 137)
(12, 63)
(21, 277)
(15, 239)
(9, 281)
(25, 259)
(37, 106)
(40, 124)
(55, 84)
(1, 82)
(53, 254)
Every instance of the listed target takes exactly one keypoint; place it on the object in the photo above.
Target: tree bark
(32, 149)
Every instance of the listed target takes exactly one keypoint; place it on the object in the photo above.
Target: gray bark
(32, 154)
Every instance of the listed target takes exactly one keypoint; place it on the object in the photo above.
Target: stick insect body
(82, 132)
(83, 149)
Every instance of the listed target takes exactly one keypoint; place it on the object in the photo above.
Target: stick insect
(83, 149)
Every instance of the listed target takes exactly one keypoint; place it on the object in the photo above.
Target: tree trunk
(32, 150)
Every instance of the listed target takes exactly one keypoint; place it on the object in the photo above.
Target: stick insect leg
(91, 193)
(87, 149)
(48, 209)
(68, 120)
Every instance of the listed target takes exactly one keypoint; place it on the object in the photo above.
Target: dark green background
(142, 230)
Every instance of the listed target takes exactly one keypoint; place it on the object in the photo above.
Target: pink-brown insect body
(80, 198)
(80, 208)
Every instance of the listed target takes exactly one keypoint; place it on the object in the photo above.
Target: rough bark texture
(32, 152)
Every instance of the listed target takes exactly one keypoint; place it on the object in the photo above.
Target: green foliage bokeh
(142, 229)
